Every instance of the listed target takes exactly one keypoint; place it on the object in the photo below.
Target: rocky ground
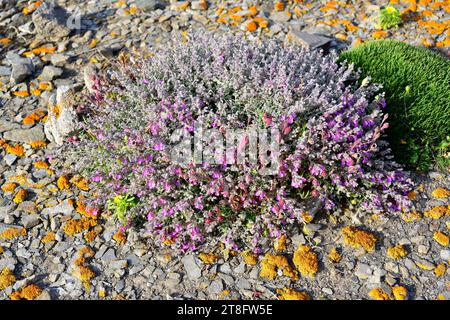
(51, 248)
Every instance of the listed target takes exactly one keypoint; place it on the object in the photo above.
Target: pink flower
(267, 118)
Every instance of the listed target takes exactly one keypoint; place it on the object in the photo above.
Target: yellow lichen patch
(440, 269)
(397, 252)
(399, 292)
(306, 261)
(279, 6)
(20, 197)
(437, 212)
(16, 150)
(411, 216)
(41, 165)
(379, 294)
(90, 235)
(80, 183)
(379, 34)
(102, 293)
(49, 237)
(38, 144)
(74, 227)
(359, 238)
(81, 272)
(334, 256)
(271, 263)
(249, 258)
(440, 193)
(21, 93)
(12, 233)
(33, 117)
(29, 292)
(120, 237)
(280, 243)
(63, 183)
(9, 187)
(85, 275)
(441, 238)
(7, 279)
(291, 294)
(208, 258)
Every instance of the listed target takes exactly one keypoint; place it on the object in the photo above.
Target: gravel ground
(39, 53)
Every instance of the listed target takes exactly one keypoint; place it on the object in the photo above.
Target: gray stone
(308, 40)
(50, 72)
(118, 264)
(280, 16)
(59, 60)
(35, 133)
(51, 21)
(10, 159)
(21, 70)
(243, 284)
(64, 208)
(31, 220)
(191, 266)
(445, 255)
(109, 255)
(58, 127)
(363, 271)
(150, 5)
(216, 286)
(5, 71)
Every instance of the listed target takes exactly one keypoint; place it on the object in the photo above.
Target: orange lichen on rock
(379, 34)
(12, 233)
(399, 292)
(279, 6)
(38, 144)
(441, 238)
(63, 183)
(49, 237)
(41, 165)
(280, 243)
(120, 237)
(440, 193)
(74, 227)
(208, 258)
(251, 26)
(249, 258)
(7, 278)
(270, 265)
(291, 294)
(411, 216)
(29, 292)
(412, 195)
(82, 272)
(359, 238)
(334, 255)
(33, 117)
(397, 252)
(306, 261)
(16, 150)
(80, 183)
(90, 235)
(437, 212)
(9, 187)
(379, 294)
(20, 197)
(440, 269)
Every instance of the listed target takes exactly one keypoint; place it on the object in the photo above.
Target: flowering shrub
(330, 148)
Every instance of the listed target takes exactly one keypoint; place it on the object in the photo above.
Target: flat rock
(308, 40)
(193, 270)
(26, 135)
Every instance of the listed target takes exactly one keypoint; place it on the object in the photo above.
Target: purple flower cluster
(331, 147)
